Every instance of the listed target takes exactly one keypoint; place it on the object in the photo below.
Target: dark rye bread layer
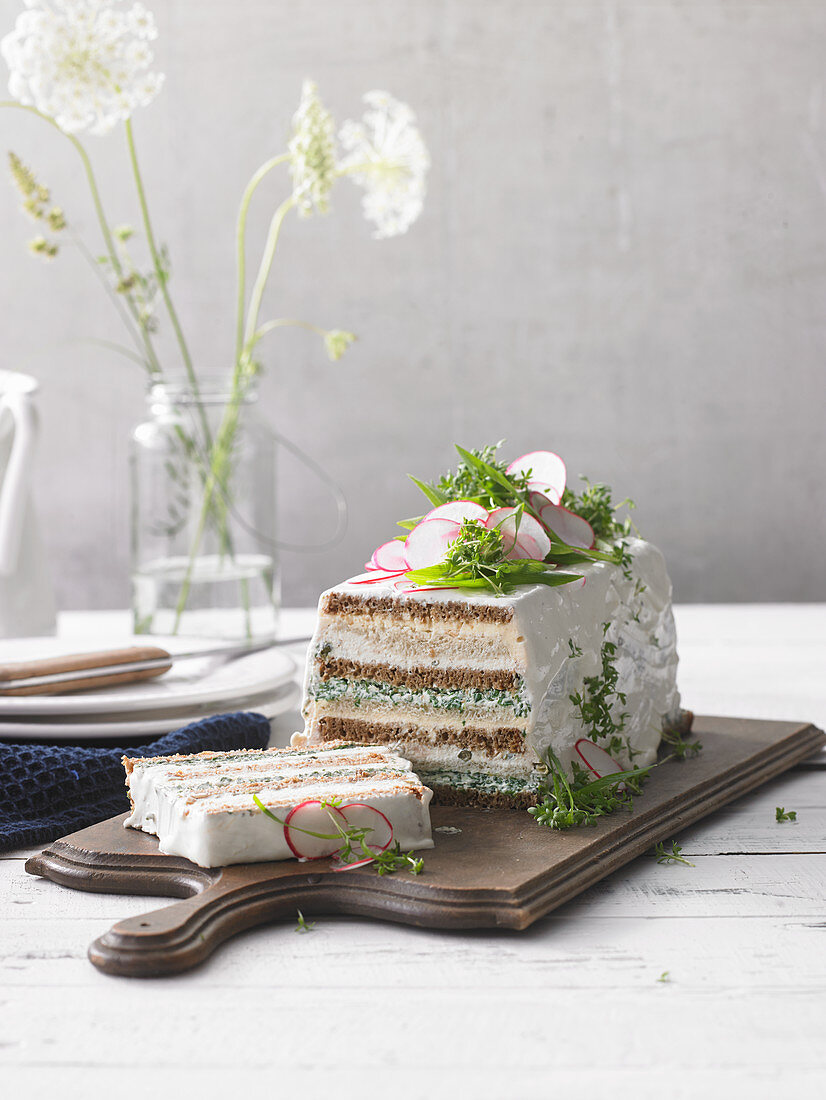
(489, 800)
(337, 603)
(469, 737)
(419, 677)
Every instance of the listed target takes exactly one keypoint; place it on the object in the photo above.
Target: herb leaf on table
(670, 855)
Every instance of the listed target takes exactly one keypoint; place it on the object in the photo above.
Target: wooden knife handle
(49, 666)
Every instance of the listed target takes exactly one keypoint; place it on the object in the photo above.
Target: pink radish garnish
(359, 815)
(546, 470)
(414, 591)
(538, 500)
(526, 541)
(313, 817)
(390, 556)
(428, 542)
(458, 510)
(596, 759)
(571, 528)
(353, 866)
(376, 576)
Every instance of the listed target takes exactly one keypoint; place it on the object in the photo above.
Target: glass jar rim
(179, 389)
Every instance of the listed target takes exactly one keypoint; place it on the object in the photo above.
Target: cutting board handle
(233, 899)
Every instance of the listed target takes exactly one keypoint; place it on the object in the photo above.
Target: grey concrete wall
(622, 258)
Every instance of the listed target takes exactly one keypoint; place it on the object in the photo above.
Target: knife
(81, 671)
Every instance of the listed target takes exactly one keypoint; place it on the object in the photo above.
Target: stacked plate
(192, 689)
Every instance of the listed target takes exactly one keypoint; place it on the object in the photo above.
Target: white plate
(73, 730)
(193, 682)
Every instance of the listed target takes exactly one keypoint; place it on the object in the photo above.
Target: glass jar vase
(203, 515)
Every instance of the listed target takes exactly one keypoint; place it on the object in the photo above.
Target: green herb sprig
(303, 925)
(566, 803)
(670, 855)
(680, 747)
(394, 859)
(596, 704)
(784, 815)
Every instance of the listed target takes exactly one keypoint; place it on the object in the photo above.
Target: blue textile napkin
(47, 791)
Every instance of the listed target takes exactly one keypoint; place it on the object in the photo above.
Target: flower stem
(152, 358)
(263, 274)
(162, 277)
(285, 322)
(240, 238)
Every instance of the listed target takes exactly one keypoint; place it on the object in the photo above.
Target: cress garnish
(303, 925)
(670, 855)
(566, 802)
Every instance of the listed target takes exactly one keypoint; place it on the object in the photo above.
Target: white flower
(84, 63)
(312, 153)
(389, 159)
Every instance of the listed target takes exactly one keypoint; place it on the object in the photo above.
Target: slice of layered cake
(487, 648)
(217, 808)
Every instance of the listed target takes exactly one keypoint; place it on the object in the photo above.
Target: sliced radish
(528, 540)
(571, 528)
(414, 591)
(308, 818)
(596, 759)
(539, 500)
(390, 556)
(546, 472)
(353, 866)
(458, 510)
(376, 576)
(429, 541)
(359, 815)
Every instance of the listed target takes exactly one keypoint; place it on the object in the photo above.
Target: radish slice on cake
(528, 540)
(359, 815)
(571, 528)
(546, 473)
(457, 510)
(596, 759)
(376, 576)
(390, 556)
(308, 818)
(353, 866)
(428, 542)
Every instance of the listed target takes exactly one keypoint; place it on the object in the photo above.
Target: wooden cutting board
(501, 870)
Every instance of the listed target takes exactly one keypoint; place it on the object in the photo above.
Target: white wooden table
(576, 1004)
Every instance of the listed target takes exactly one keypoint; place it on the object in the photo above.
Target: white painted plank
(677, 1029)
(590, 951)
(412, 1079)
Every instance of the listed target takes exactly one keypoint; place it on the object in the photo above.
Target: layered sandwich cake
(560, 652)
(218, 808)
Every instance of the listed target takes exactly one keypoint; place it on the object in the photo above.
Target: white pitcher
(26, 597)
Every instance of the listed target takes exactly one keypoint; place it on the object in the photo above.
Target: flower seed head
(312, 153)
